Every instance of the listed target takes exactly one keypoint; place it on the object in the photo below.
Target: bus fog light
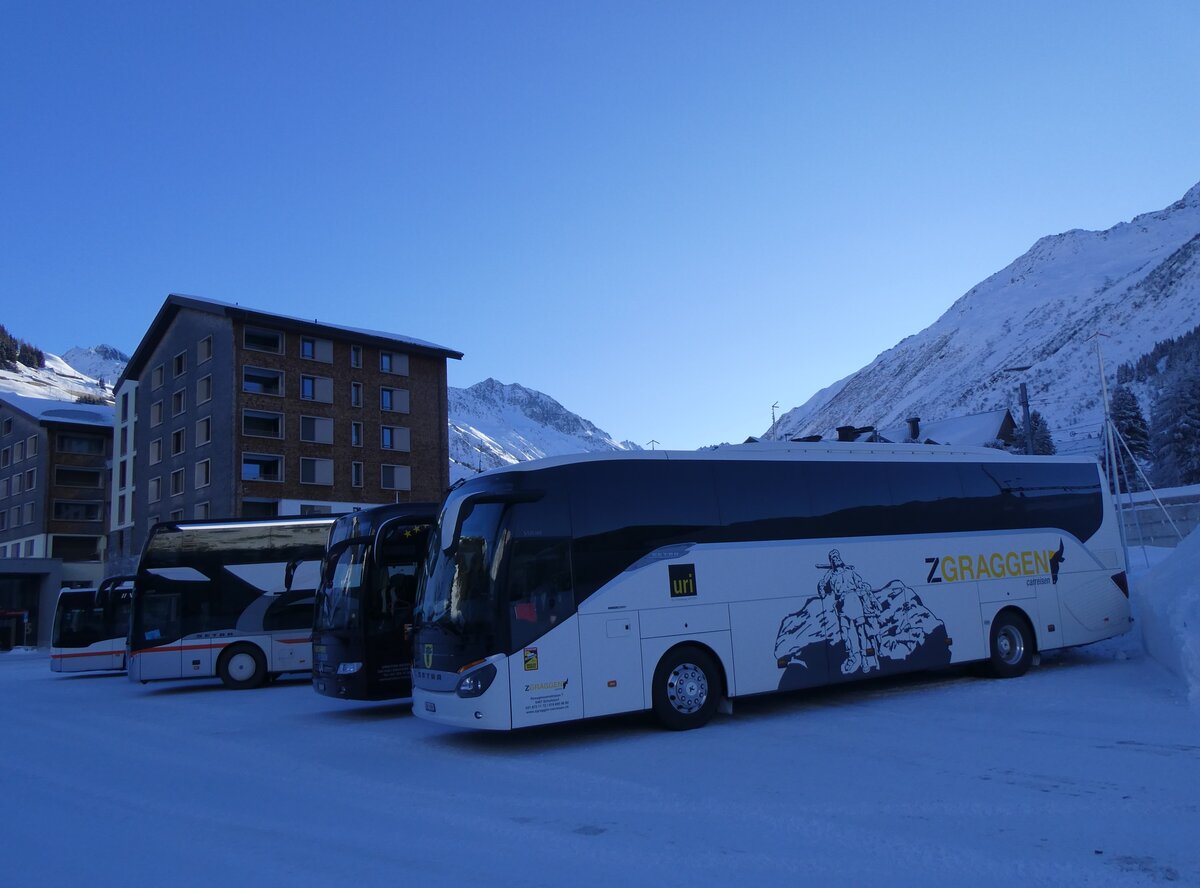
(477, 682)
(348, 668)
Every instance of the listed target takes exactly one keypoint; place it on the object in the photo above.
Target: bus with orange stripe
(227, 599)
(90, 627)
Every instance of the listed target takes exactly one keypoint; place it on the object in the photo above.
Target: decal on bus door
(858, 629)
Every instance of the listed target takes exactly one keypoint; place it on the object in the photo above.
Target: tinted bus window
(763, 500)
(851, 499)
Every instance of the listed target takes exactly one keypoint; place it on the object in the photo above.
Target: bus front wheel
(242, 666)
(687, 689)
(1012, 646)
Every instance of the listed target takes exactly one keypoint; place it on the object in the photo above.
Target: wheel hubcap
(241, 666)
(1010, 645)
(687, 688)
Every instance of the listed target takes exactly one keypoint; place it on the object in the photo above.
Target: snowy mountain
(99, 362)
(1136, 283)
(493, 424)
(58, 380)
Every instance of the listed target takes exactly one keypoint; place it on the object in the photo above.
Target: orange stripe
(216, 645)
(88, 654)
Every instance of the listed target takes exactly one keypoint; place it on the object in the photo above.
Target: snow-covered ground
(1084, 772)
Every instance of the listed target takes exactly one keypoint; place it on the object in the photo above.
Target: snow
(1169, 611)
(1083, 772)
(58, 381)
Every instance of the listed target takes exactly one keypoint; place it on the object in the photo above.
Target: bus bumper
(490, 711)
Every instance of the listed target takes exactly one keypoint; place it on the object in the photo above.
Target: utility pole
(652, 443)
(1024, 408)
(774, 407)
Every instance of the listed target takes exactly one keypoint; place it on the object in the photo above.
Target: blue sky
(667, 216)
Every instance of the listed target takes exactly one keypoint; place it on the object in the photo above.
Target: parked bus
(600, 584)
(90, 627)
(232, 599)
(362, 634)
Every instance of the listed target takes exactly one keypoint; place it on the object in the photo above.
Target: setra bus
(362, 630)
(599, 584)
(90, 627)
(232, 599)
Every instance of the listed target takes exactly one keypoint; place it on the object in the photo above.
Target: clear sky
(668, 216)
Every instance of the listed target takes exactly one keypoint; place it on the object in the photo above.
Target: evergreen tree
(31, 356)
(9, 349)
(1043, 443)
(1130, 422)
(1175, 435)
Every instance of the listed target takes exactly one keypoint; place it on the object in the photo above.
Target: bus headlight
(477, 682)
(348, 668)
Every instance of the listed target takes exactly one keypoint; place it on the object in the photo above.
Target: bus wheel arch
(1012, 643)
(242, 666)
(689, 683)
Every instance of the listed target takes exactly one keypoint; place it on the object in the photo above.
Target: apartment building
(230, 412)
(54, 473)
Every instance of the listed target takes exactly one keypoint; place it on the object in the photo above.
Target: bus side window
(539, 587)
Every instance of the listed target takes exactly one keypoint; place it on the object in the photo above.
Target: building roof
(48, 410)
(176, 301)
(975, 430)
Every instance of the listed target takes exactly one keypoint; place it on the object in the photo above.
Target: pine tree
(1176, 431)
(1043, 443)
(1130, 423)
(31, 356)
(9, 348)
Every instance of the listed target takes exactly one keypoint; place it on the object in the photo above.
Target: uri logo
(683, 580)
(848, 627)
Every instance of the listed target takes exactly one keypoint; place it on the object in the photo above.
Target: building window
(66, 476)
(393, 399)
(262, 467)
(203, 473)
(30, 479)
(201, 511)
(356, 356)
(77, 510)
(316, 349)
(4, 488)
(204, 350)
(123, 475)
(157, 376)
(356, 397)
(204, 389)
(316, 388)
(356, 432)
(179, 364)
(156, 451)
(316, 471)
(27, 513)
(19, 452)
(177, 482)
(154, 489)
(203, 431)
(176, 515)
(92, 445)
(31, 446)
(257, 339)
(5, 457)
(29, 546)
(156, 413)
(316, 430)
(178, 442)
(395, 477)
(124, 440)
(125, 407)
(394, 438)
(392, 362)
(178, 402)
(16, 484)
(262, 424)
(316, 509)
(259, 381)
(356, 474)
(6, 426)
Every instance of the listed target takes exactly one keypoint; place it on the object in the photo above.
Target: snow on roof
(976, 429)
(49, 410)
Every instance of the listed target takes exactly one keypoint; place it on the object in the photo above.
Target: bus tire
(242, 666)
(1012, 645)
(687, 688)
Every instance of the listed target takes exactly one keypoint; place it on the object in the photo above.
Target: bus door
(289, 617)
(391, 592)
(158, 651)
(545, 670)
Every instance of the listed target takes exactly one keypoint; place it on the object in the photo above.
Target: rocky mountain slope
(1133, 284)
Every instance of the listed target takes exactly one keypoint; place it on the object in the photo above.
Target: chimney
(847, 432)
(914, 427)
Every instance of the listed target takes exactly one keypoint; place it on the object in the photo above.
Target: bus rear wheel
(242, 666)
(1012, 646)
(687, 689)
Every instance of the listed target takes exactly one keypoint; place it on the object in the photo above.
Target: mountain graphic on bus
(849, 629)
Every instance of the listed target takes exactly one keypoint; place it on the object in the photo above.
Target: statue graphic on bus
(850, 628)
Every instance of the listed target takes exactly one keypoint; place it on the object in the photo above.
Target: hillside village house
(54, 458)
(230, 412)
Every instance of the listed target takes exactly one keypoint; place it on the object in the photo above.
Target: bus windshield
(340, 597)
(457, 593)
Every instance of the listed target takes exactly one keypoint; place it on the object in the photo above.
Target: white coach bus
(90, 627)
(232, 599)
(574, 587)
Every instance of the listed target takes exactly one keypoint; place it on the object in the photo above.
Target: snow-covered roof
(974, 430)
(47, 410)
